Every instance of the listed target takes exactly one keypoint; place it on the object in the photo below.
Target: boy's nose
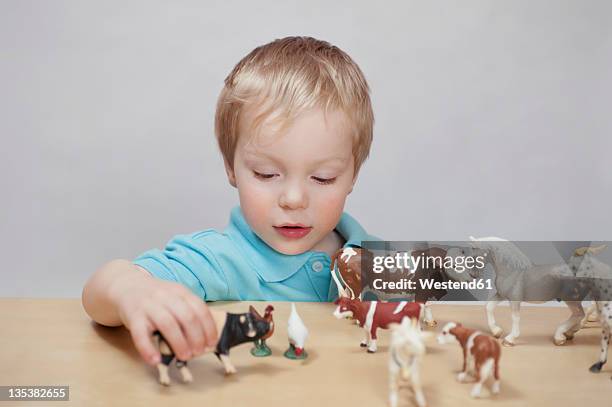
(293, 197)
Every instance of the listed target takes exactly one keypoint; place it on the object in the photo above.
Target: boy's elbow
(95, 295)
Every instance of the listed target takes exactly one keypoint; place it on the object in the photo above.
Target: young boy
(294, 124)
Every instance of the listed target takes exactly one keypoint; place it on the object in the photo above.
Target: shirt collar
(273, 266)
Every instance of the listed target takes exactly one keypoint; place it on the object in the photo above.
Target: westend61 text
(428, 284)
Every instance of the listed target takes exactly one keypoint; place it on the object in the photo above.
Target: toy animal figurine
(406, 351)
(349, 282)
(297, 333)
(373, 315)
(605, 311)
(234, 329)
(598, 277)
(348, 277)
(481, 354)
(166, 358)
(518, 280)
(261, 349)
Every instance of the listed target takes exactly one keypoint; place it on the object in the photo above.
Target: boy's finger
(172, 332)
(190, 324)
(141, 336)
(206, 320)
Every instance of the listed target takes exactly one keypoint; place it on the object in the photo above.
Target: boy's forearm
(103, 290)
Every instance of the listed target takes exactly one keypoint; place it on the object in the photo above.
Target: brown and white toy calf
(372, 315)
(406, 350)
(345, 270)
(481, 354)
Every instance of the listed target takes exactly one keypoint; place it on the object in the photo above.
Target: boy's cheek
(255, 205)
(329, 209)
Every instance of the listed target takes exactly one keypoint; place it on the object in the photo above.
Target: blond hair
(288, 76)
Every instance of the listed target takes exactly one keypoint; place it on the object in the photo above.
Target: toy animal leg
(366, 339)
(482, 374)
(577, 325)
(393, 387)
(166, 359)
(162, 371)
(372, 348)
(490, 307)
(567, 329)
(416, 385)
(592, 314)
(185, 373)
(496, 384)
(464, 375)
(227, 364)
(603, 355)
(429, 319)
(509, 340)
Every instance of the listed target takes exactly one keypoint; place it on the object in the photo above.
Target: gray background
(492, 118)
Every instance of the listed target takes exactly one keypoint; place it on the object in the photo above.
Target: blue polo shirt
(237, 265)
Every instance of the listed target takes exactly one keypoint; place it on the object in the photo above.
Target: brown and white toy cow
(481, 354)
(348, 277)
(372, 315)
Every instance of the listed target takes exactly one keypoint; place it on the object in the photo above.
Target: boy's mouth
(293, 231)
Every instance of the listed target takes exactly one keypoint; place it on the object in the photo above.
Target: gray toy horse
(518, 280)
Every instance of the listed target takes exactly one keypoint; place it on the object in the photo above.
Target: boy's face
(293, 186)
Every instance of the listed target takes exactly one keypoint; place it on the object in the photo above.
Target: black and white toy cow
(236, 329)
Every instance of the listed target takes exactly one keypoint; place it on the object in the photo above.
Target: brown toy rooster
(260, 348)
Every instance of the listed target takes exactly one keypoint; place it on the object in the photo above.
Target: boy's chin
(290, 249)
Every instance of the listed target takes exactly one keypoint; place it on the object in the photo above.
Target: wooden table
(53, 342)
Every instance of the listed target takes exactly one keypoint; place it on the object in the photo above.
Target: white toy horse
(406, 350)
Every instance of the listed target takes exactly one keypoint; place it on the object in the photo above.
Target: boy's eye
(324, 181)
(263, 175)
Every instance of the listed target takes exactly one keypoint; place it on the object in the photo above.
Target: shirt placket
(317, 269)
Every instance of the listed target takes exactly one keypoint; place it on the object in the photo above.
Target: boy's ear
(231, 175)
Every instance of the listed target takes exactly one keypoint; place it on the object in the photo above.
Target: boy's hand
(183, 319)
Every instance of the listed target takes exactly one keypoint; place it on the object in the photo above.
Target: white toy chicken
(297, 332)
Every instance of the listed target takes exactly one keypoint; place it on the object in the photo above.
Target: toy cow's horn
(581, 251)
